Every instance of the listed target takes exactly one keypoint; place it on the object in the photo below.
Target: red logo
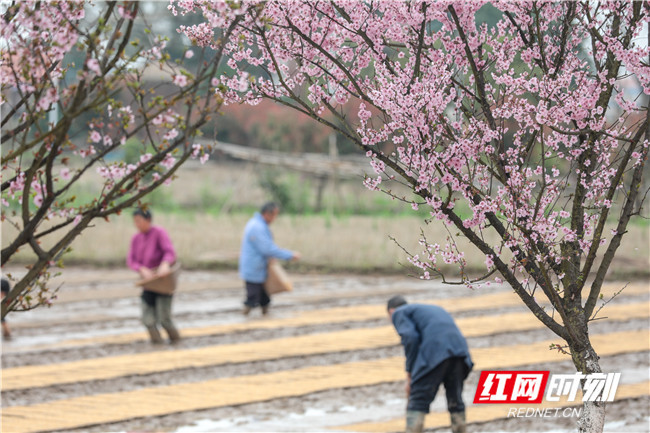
(511, 387)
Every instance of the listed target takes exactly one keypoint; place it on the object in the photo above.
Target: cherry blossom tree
(85, 62)
(524, 137)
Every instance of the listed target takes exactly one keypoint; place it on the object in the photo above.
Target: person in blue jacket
(256, 250)
(436, 353)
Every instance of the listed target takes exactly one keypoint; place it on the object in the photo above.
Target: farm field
(444, 151)
(325, 359)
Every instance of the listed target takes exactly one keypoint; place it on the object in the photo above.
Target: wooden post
(334, 174)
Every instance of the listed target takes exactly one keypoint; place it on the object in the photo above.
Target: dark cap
(144, 213)
(396, 301)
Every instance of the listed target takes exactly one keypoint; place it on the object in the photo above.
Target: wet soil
(89, 312)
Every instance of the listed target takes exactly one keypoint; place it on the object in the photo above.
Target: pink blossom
(17, 184)
(65, 173)
(441, 148)
(90, 150)
(196, 150)
(127, 14)
(171, 134)
(180, 80)
(95, 137)
(168, 162)
(93, 65)
(364, 114)
(189, 54)
(36, 186)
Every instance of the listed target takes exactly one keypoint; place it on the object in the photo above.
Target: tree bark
(585, 359)
(592, 418)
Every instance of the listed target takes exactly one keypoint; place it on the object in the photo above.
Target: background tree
(537, 124)
(78, 81)
(276, 127)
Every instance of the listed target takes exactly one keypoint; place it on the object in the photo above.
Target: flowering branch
(104, 102)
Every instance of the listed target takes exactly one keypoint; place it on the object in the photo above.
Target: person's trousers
(157, 310)
(256, 295)
(451, 373)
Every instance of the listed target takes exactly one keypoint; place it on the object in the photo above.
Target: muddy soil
(97, 303)
(331, 407)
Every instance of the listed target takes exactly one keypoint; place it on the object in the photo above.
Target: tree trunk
(585, 359)
(592, 418)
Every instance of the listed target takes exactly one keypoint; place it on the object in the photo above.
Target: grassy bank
(345, 243)
(355, 243)
(206, 208)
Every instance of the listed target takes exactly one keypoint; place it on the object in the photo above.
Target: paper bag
(277, 280)
(163, 284)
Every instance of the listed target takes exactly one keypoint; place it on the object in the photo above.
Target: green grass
(206, 207)
(328, 243)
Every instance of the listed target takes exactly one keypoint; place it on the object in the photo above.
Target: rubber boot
(154, 334)
(458, 422)
(6, 334)
(414, 421)
(174, 336)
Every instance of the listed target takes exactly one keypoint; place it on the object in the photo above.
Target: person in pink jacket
(152, 252)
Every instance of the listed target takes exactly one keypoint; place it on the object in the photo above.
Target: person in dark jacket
(436, 353)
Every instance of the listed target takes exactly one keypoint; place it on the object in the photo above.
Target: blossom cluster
(36, 41)
(509, 119)
(41, 44)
